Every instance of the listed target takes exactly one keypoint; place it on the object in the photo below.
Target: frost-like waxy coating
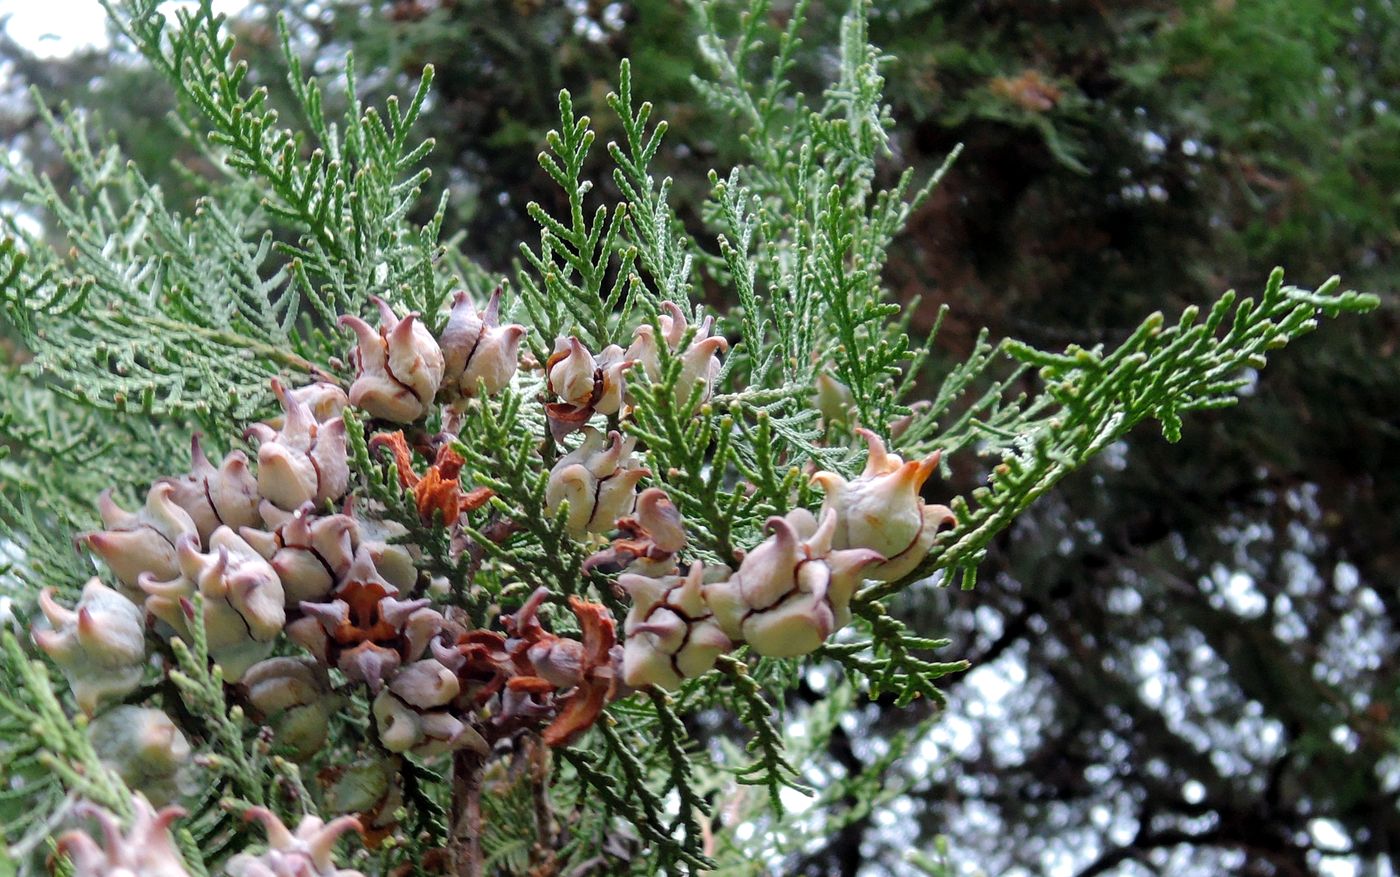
(792, 591)
(144, 850)
(310, 554)
(303, 461)
(672, 634)
(398, 367)
(310, 852)
(144, 541)
(100, 643)
(881, 510)
(243, 599)
(214, 497)
(146, 750)
(294, 697)
(477, 349)
(699, 359)
(598, 480)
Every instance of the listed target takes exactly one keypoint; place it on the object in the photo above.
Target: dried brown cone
(366, 631)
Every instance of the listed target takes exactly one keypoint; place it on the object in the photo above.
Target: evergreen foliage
(166, 319)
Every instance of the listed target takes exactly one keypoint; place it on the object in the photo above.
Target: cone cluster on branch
(253, 551)
(147, 848)
(793, 590)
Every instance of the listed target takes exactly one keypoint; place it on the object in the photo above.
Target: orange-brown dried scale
(439, 489)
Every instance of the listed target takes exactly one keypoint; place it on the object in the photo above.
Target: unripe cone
(587, 385)
(100, 644)
(881, 510)
(570, 372)
(143, 542)
(647, 542)
(661, 520)
(699, 359)
(412, 714)
(146, 750)
(310, 852)
(144, 850)
(310, 554)
(371, 786)
(598, 481)
(294, 696)
(303, 461)
(393, 560)
(243, 599)
(613, 364)
(326, 401)
(834, 400)
(792, 591)
(398, 368)
(214, 497)
(477, 349)
(672, 634)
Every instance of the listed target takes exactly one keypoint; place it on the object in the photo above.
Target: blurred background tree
(1191, 665)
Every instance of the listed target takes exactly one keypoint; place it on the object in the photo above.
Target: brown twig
(464, 844)
(543, 858)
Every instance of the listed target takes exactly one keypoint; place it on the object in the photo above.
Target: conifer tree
(503, 574)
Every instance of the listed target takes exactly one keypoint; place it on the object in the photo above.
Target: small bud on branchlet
(146, 849)
(477, 350)
(398, 367)
(700, 364)
(310, 852)
(243, 599)
(146, 750)
(792, 591)
(881, 510)
(100, 644)
(144, 541)
(598, 480)
(303, 461)
(833, 399)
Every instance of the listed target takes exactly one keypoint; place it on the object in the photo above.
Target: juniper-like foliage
(154, 321)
